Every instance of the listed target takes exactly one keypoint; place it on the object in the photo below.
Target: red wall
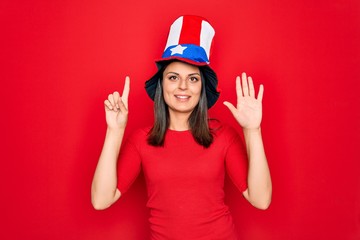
(60, 59)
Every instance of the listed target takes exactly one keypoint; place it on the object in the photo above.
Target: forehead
(181, 68)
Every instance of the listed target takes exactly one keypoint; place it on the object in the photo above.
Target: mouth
(182, 97)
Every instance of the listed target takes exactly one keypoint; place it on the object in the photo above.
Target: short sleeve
(129, 165)
(237, 163)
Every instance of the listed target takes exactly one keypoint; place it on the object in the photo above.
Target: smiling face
(181, 87)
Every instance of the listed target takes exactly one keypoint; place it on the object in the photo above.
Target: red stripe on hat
(190, 31)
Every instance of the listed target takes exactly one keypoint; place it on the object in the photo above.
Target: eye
(172, 77)
(193, 79)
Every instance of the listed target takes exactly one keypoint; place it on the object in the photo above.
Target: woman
(184, 155)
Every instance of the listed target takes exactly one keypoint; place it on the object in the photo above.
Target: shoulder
(140, 131)
(223, 131)
(138, 135)
(218, 127)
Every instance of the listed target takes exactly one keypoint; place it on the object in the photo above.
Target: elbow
(267, 200)
(102, 202)
(261, 202)
(99, 207)
(263, 205)
(262, 199)
(99, 204)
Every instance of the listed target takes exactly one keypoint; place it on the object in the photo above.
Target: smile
(182, 96)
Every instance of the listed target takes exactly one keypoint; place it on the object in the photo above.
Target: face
(181, 87)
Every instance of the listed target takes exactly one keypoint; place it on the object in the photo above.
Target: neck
(179, 121)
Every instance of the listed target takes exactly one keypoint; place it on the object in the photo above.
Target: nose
(182, 84)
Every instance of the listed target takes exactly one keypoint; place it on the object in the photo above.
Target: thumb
(231, 107)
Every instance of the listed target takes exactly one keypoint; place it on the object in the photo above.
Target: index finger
(125, 93)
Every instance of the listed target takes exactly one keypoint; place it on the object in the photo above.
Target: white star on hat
(177, 50)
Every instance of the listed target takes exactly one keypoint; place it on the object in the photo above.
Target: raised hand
(248, 110)
(116, 108)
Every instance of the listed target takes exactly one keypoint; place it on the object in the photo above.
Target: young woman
(184, 155)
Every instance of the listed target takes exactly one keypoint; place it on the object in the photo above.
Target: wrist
(252, 130)
(115, 131)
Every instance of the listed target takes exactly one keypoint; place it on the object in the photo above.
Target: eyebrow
(191, 74)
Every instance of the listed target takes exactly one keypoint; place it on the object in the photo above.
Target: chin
(181, 109)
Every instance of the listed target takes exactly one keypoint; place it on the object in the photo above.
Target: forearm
(259, 180)
(103, 189)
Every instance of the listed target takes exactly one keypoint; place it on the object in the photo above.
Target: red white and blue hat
(189, 40)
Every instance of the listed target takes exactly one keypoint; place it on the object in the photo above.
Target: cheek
(197, 91)
(167, 91)
(166, 98)
(168, 87)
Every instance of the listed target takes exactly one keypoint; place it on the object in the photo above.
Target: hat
(189, 40)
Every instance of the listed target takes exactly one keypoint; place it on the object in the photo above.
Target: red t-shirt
(185, 181)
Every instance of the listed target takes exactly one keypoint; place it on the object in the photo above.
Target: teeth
(182, 97)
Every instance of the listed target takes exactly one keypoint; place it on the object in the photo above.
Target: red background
(60, 59)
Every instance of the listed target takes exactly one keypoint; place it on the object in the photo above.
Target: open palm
(248, 110)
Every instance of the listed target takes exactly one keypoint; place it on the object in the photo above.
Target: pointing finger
(122, 108)
(125, 94)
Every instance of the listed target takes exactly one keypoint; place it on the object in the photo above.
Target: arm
(259, 180)
(103, 189)
(248, 113)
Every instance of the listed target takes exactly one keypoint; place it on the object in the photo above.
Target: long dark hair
(198, 120)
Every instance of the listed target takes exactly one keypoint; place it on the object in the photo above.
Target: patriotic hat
(189, 41)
